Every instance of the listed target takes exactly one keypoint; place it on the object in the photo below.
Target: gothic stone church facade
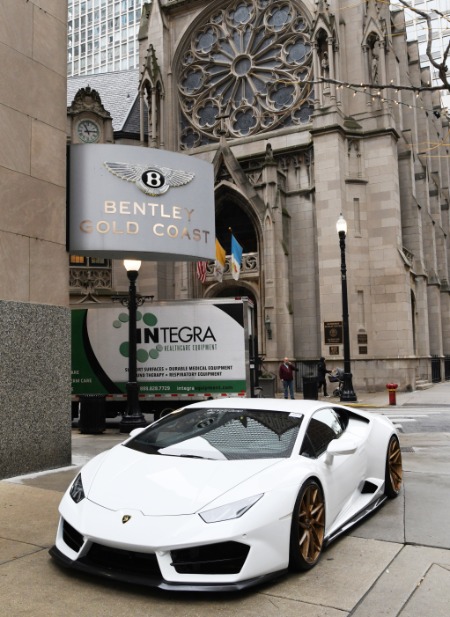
(267, 92)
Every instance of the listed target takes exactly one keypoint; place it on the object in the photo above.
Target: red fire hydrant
(392, 387)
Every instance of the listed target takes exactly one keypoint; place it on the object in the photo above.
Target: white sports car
(226, 494)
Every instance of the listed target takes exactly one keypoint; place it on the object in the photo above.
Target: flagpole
(231, 250)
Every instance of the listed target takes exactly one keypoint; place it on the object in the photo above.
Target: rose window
(244, 72)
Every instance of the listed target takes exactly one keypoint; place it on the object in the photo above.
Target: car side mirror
(340, 447)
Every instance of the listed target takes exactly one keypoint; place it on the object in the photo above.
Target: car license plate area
(122, 562)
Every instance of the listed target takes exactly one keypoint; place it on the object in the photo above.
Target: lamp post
(347, 393)
(133, 417)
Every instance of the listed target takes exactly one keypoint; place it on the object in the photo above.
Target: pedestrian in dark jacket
(286, 373)
(321, 374)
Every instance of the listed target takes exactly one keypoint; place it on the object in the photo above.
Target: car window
(215, 433)
(323, 427)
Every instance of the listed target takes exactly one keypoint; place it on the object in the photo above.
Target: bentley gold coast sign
(128, 201)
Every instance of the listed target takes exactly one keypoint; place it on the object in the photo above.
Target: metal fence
(436, 369)
(447, 368)
(308, 368)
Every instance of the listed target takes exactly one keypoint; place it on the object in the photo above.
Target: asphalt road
(419, 418)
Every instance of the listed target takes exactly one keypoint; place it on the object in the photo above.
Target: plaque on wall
(362, 339)
(334, 350)
(333, 332)
(363, 350)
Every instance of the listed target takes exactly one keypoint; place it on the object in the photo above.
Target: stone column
(445, 311)
(154, 112)
(435, 320)
(422, 318)
(316, 76)
(331, 69)
(141, 116)
(366, 77)
(161, 121)
(276, 267)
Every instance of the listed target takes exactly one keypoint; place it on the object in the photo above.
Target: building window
(90, 273)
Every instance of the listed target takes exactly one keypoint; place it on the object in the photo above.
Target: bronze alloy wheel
(394, 470)
(308, 527)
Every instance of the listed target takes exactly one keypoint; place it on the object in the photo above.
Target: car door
(341, 476)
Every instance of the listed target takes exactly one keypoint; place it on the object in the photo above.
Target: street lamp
(133, 417)
(347, 393)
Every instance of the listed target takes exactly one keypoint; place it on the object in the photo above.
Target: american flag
(201, 271)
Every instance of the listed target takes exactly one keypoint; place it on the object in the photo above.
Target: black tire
(394, 470)
(308, 527)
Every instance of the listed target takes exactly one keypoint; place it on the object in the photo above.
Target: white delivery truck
(186, 351)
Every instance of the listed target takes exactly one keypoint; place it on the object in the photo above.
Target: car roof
(305, 407)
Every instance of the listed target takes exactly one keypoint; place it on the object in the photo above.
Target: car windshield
(221, 434)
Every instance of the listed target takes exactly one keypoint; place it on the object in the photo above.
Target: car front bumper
(176, 552)
(159, 582)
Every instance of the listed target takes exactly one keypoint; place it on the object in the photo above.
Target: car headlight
(230, 511)
(76, 490)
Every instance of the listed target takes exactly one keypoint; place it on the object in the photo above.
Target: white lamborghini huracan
(226, 494)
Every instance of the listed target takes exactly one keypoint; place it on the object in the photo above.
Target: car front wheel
(394, 470)
(308, 527)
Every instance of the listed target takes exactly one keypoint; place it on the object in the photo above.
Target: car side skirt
(359, 516)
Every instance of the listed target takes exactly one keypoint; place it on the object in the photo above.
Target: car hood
(166, 485)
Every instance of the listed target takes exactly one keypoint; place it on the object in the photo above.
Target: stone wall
(34, 387)
(35, 343)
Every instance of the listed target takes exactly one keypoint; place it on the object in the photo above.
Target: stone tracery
(244, 71)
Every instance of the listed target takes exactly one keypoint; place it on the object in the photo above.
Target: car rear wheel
(394, 470)
(308, 527)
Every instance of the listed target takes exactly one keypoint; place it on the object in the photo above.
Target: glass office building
(416, 27)
(102, 36)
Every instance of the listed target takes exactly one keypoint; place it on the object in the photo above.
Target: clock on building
(88, 131)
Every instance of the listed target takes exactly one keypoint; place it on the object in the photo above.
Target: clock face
(88, 131)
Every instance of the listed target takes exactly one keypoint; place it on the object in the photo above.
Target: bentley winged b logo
(153, 180)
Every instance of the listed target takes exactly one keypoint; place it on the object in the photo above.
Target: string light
(363, 89)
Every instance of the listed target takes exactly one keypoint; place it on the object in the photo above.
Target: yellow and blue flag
(219, 265)
(236, 258)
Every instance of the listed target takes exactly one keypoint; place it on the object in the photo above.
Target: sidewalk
(438, 394)
(395, 564)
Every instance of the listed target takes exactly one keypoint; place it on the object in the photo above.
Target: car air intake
(221, 558)
(72, 537)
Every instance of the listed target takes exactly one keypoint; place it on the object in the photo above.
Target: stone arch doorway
(230, 214)
(235, 212)
(236, 291)
(232, 289)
